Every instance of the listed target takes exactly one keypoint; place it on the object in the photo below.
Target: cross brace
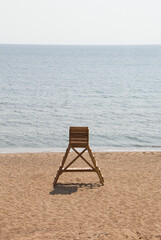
(93, 168)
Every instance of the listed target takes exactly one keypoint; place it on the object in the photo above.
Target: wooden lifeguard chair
(78, 138)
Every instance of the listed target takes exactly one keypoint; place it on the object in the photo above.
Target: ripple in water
(115, 90)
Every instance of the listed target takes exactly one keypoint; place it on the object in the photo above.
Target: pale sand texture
(128, 206)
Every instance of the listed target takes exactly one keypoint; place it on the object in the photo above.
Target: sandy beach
(128, 206)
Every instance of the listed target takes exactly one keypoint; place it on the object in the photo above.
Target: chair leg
(59, 172)
(96, 167)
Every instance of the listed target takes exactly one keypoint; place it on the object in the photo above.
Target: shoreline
(62, 150)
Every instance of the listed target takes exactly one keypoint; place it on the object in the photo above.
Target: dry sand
(128, 206)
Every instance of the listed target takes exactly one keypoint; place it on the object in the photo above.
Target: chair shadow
(69, 188)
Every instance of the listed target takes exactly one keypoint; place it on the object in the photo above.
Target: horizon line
(52, 44)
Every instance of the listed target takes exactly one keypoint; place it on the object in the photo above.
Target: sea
(114, 90)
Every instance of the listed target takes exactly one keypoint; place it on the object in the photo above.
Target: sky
(80, 22)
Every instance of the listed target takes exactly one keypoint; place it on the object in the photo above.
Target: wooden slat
(78, 140)
(79, 170)
(79, 135)
(78, 145)
(78, 129)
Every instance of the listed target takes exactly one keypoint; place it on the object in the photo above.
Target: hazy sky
(80, 21)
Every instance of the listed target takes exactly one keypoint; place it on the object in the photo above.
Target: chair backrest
(78, 137)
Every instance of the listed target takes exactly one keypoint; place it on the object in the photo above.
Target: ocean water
(114, 90)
